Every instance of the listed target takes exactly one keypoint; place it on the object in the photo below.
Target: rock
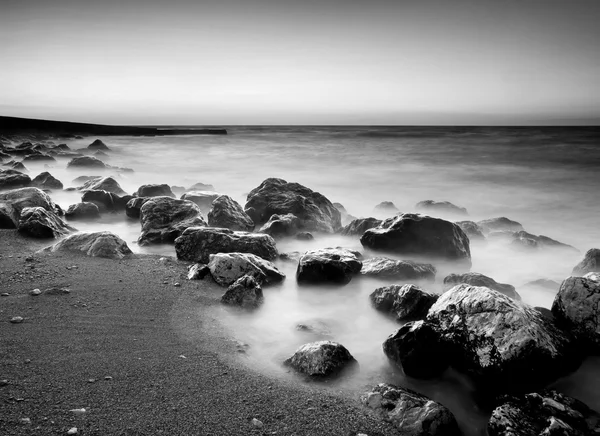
(16, 166)
(589, 263)
(72, 430)
(411, 413)
(198, 243)
(327, 266)
(390, 269)
(499, 224)
(203, 199)
(526, 240)
(8, 217)
(177, 190)
(41, 157)
(98, 145)
(97, 244)
(244, 292)
(345, 216)
(441, 207)
(37, 222)
(10, 179)
(577, 308)
(548, 413)
(257, 423)
(133, 206)
(317, 327)
(14, 201)
(278, 197)
(108, 184)
(476, 279)
(86, 162)
(405, 302)
(164, 219)
(198, 271)
(420, 235)
(320, 359)
(45, 180)
(101, 154)
(546, 284)
(594, 276)
(386, 208)
(281, 225)
(359, 226)
(227, 213)
(304, 236)
(106, 201)
(17, 319)
(472, 230)
(505, 345)
(201, 187)
(35, 292)
(226, 268)
(82, 179)
(155, 191)
(83, 211)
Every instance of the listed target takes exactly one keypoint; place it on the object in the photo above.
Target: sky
(228, 62)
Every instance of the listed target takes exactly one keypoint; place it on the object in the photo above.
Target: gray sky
(302, 62)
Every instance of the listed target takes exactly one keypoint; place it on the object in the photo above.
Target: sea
(546, 178)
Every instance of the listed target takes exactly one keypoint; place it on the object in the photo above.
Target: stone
(106, 201)
(411, 413)
(386, 208)
(17, 319)
(108, 184)
(98, 145)
(45, 180)
(420, 235)
(226, 268)
(385, 268)
(201, 187)
(203, 199)
(404, 302)
(360, 226)
(97, 244)
(38, 222)
(499, 224)
(441, 207)
(227, 213)
(327, 266)
(589, 263)
(345, 216)
(524, 240)
(476, 279)
(86, 162)
(18, 199)
(10, 179)
(280, 226)
(304, 236)
(546, 284)
(198, 271)
(164, 219)
(155, 191)
(198, 243)
(9, 218)
(38, 157)
(321, 359)
(133, 206)
(472, 230)
(321, 328)
(279, 197)
(245, 292)
(35, 292)
(83, 211)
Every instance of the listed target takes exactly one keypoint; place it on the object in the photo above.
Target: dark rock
(526, 240)
(386, 208)
(98, 145)
(443, 207)
(45, 180)
(38, 222)
(16, 166)
(278, 197)
(327, 266)
(320, 359)
(86, 162)
(280, 226)
(390, 269)
(9, 218)
(198, 271)
(164, 219)
(420, 235)
(405, 303)
(133, 206)
(245, 292)
(203, 199)
(106, 201)
(98, 244)
(227, 213)
(108, 184)
(589, 263)
(499, 224)
(163, 190)
(10, 179)
(471, 229)
(360, 226)
(411, 413)
(38, 158)
(83, 211)
(304, 236)
(198, 243)
(226, 268)
(476, 279)
(14, 201)
(317, 327)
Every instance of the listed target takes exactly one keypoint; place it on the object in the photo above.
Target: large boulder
(278, 197)
(548, 413)
(164, 219)
(11, 178)
(411, 413)
(320, 359)
(472, 230)
(204, 199)
(198, 243)
(504, 344)
(154, 190)
(280, 226)
(133, 206)
(83, 211)
(499, 224)
(524, 240)
(327, 266)
(476, 279)
(227, 213)
(14, 201)
(404, 302)
(38, 222)
(244, 292)
(45, 180)
(577, 308)
(589, 263)
(420, 235)
(359, 226)
(86, 162)
(441, 207)
(226, 268)
(108, 184)
(385, 268)
(98, 145)
(106, 201)
(98, 244)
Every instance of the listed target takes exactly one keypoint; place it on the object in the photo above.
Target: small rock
(177, 284)
(257, 423)
(108, 377)
(3, 383)
(181, 356)
(35, 292)
(72, 430)
(78, 411)
(16, 319)
(91, 380)
(25, 421)
(4, 294)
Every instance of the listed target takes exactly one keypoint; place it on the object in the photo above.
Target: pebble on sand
(257, 423)
(72, 430)
(35, 292)
(17, 319)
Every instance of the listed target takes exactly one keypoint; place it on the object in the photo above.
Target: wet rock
(526, 240)
(133, 206)
(405, 302)
(390, 269)
(476, 279)
(304, 236)
(108, 184)
(16, 166)
(164, 219)
(97, 244)
(411, 413)
(83, 211)
(278, 197)
(38, 222)
(499, 224)
(198, 243)
(548, 413)
(45, 180)
(226, 268)
(10, 179)
(38, 157)
(198, 271)
(472, 230)
(201, 187)
(14, 201)
(320, 359)
(35, 292)
(8, 216)
(360, 226)
(577, 308)
(98, 145)
(327, 266)
(280, 226)
(441, 207)
(244, 292)
(155, 191)
(203, 199)
(100, 154)
(86, 162)
(106, 201)
(420, 235)
(589, 263)
(227, 213)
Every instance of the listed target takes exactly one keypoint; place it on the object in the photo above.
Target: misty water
(548, 179)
